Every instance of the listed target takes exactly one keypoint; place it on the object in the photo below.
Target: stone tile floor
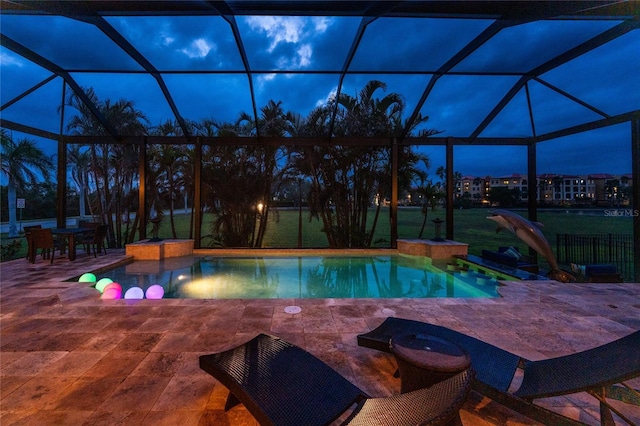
(69, 358)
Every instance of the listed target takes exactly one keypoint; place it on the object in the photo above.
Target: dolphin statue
(531, 235)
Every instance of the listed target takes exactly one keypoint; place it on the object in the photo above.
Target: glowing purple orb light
(155, 292)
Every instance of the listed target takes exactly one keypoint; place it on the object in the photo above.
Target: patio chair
(42, 239)
(97, 240)
(27, 235)
(282, 384)
(87, 224)
(594, 371)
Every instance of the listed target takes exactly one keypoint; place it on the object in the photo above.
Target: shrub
(10, 250)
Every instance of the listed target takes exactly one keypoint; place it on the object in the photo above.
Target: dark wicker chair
(98, 239)
(27, 235)
(93, 241)
(42, 239)
(87, 224)
(282, 384)
(595, 371)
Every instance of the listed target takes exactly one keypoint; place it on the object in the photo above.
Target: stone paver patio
(69, 358)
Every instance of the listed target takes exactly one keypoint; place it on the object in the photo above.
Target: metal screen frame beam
(227, 14)
(21, 50)
(553, 63)
(80, 11)
(635, 168)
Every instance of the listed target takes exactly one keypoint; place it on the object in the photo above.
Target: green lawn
(471, 227)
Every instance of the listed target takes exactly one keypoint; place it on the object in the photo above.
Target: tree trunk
(12, 204)
(171, 205)
(424, 222)
(83, 192)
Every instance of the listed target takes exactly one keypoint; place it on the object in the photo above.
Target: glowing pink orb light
(112, 291)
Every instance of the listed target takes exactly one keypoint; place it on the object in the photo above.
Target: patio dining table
(71, 234)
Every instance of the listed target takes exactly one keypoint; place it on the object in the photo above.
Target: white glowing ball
(102, 283)
(87, 278)
(155, 292)
(112, 291)
(134, 293)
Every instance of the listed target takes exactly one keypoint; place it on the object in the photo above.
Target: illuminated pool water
(389, 276)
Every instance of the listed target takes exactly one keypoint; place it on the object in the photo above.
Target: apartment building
(473, 187)
(601, 189)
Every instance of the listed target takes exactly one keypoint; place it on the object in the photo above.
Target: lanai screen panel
(182, 43)
(413, 44)
(18, 75)
(39, 109)
(218, 97)
(297, 43)
(521, 48)
(68, 43)
(607, 77)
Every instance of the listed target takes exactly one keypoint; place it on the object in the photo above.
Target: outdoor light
(112, 291)
(102, 283)
(134, 293)
(438, 223)
(112, 285)
(155, 292)
(87, 278)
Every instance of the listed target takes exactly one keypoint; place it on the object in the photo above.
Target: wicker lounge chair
(281, 384)
(594, 371)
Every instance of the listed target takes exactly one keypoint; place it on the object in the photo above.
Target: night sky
(607, 78)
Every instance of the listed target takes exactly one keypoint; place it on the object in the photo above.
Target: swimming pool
(284, 277)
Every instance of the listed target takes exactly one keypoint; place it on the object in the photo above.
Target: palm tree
(169, 162)
(346, 180)
(114, 166)
(79, 162)
(273, 122)
(238, 181)
(22, 163)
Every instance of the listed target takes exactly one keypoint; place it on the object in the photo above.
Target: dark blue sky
(607, 78)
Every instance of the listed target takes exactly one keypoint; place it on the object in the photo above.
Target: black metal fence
(612, 249)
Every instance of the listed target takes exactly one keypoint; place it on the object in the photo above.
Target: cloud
(283, 30)
(263, 79)
(10, 60)
(324, 101)
(167, 39)
(278, 28)
(304, 55)
(198, 48)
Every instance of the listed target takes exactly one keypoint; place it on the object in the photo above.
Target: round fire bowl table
(425, 360)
